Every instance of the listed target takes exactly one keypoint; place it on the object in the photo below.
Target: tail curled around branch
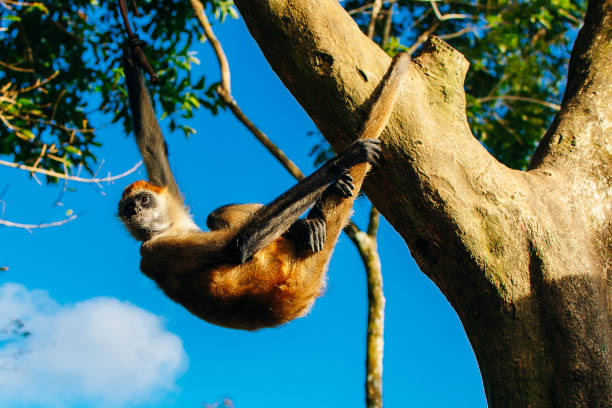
(382, 107)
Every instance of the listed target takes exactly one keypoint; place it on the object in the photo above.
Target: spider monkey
(259, 265)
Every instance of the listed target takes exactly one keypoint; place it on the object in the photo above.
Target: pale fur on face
(149, 212)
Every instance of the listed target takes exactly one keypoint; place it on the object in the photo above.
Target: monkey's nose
(127, 209)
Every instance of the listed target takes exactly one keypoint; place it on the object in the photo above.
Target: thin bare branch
(14, 68)
(464, 30)
(39, 83)
(388, 25)
(376, 6)
(52, 173)
(367, 247)
(52, 124)
(367, 6)
(36, 226)
(360, 9)
(56, 104)
(373, 222)
(198, 8)
(445, 17)
(550, 105)
(224, 92)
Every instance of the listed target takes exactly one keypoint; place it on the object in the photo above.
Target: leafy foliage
(518, 51)
(60, 66)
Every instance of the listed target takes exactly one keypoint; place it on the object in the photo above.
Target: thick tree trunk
(525, 258)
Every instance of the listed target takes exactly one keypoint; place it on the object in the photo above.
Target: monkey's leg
(231, 216)
(274, 219)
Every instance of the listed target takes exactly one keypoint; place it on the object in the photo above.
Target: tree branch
(445, 17)
(52, 173)
(224, 91)
(366, 245)
(587, 100)
(30, 227)
(550, 105)
(376, 7)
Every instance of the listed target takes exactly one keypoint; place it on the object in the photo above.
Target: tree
(523, 257)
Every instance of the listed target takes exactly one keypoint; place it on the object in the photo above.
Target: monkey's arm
(149, 136)
(273, 220)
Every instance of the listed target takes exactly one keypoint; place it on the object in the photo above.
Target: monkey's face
(144, 211)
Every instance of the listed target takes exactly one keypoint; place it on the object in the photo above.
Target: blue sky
(104, 335)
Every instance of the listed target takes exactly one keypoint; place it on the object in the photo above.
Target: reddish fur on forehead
(142, 185)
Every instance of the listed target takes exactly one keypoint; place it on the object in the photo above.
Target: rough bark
(525, 258)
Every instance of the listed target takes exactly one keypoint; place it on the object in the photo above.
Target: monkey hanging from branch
(259, 265)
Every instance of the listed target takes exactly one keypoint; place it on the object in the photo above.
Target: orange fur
(142, 185)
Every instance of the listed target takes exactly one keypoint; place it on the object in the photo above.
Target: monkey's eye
(145, 200)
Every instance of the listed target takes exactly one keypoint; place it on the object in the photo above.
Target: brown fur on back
(270, 289)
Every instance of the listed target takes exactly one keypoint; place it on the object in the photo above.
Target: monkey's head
(146, 210)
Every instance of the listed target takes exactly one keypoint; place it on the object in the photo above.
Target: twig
(375, 10)
(445, 17)
(14, 68)
(198, 8)
(367, 247)
(38, 83)
(67, 177)
(367, 6)
(388, 24)
(550, 105)
(35, 226)
(462, 31)
(56, 104)
(52, 124)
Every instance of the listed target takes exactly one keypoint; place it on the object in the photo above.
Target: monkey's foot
(309, 234)
(361, 151)
(344, 185)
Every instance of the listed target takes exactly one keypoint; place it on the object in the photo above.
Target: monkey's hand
(361, 151)
(308, 234)
(343, 186)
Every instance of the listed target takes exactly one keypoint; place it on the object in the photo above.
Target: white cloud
(98, 352)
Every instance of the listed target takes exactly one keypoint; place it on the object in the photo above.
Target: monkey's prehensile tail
(382, 107)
